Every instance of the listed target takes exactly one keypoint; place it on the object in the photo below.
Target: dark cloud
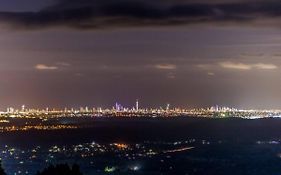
(87, 14)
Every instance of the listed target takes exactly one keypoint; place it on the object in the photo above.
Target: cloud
(231, 65)
(93, 14)
(244, 66)
(166, 66)
(265, 66)
(45, 67)
(64, 64)
(171, 75)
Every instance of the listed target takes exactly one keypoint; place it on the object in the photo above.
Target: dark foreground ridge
(2, 172)
(60, 169)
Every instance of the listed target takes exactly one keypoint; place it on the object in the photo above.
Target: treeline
(61, 169)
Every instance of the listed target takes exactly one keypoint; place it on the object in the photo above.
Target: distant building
(137, 105)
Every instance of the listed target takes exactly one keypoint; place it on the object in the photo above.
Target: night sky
(189, 53)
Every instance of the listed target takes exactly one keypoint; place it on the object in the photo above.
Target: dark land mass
(133, 130)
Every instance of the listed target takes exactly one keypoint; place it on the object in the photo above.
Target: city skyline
(189, 53)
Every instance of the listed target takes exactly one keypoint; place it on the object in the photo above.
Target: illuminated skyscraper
(22, 108)
(118, 107)
(137, 105)
(168, 107)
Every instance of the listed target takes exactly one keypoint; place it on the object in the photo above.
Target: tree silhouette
(61, 169)
(2, 172)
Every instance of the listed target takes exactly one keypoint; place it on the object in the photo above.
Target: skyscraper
(168, 107)
(22, 108)
(137, 105)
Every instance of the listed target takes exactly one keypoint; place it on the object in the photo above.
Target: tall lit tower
(137, 105)
(168, 107)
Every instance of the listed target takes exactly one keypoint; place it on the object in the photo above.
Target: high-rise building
(137, 105)
(118, 107)
(168, 107)
(22, 108)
